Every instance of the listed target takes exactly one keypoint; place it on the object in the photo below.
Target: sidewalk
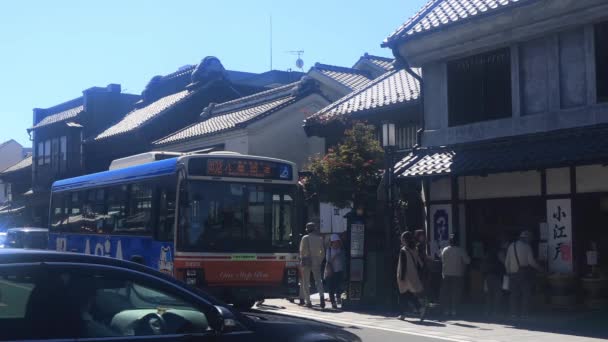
(555, 326)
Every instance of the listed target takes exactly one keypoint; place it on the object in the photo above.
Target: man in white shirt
(520, 264)
(312, 253)
(454, 260)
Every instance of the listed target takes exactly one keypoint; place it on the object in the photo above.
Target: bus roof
(143, 171)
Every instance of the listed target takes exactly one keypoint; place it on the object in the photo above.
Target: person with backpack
(521, 266)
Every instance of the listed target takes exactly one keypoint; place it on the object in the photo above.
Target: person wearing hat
(312, 253)
(454, 262)
(334, 269)
(408, 276)
(520, 265)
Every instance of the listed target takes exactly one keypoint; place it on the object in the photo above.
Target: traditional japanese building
(268, 123)
(58, 134)
(171, 102)
(392, 95)
(515, 126)
(17, 181)
(11, 152)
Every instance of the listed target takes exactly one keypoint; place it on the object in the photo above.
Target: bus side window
(166, 215)
(116, 209)
(139, 209)
(59, 212)
(75, 211)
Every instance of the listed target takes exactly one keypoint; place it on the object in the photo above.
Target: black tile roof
(578, 146)
(348, 77)
(140, 116)
(393, 88)
(437, 14)
(381, 62)
(217, 118)
(61, 116)
(22, 164)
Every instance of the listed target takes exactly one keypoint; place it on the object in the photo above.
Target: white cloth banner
(559, 220)
(332, 218)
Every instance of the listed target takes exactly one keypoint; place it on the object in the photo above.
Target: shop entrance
(492, 221)
(590, 231)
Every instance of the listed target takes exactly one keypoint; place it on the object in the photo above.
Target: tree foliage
(350, 171)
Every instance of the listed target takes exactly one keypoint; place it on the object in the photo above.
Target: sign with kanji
(357, 240)
(441, 227)
(559, 239)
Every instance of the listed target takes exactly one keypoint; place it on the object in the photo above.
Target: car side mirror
(221, 319)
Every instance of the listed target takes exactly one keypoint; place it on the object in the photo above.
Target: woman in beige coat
(408, 275)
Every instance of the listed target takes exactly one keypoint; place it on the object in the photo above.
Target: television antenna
(299, 61)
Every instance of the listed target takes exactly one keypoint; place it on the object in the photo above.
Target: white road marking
(362, 325)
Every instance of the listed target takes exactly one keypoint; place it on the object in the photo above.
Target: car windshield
(226, 217)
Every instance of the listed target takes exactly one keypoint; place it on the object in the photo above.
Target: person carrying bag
(521, 267)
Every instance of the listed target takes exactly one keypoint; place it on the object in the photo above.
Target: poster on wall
(559, 240)
(441, 227)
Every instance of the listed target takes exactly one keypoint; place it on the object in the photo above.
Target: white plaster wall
(499, 185)
(558, 181)
(592, 178)
(281, 134)
(235, 141)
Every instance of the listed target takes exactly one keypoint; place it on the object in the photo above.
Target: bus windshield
(236, 217)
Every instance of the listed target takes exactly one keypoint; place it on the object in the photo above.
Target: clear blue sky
(52, 50)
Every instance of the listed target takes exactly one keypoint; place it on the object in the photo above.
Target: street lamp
(388, 143)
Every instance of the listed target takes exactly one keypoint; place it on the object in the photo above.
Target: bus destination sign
(240, 167)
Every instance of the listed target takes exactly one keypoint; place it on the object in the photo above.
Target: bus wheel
(244, 304)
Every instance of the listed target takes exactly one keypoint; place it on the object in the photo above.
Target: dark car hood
(286, 328)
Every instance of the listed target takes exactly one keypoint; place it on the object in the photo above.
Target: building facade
(17, 184)
(11, 152)
(267, 124)
(58, 134)
(515, 123)
(172, 102)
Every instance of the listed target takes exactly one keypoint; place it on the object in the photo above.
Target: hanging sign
(559, 240)
(441, 227)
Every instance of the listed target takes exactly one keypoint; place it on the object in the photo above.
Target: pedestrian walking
(493, 270)
(408, 276)
(312, 253)
(334, 269)
(521, 266)
(454, 261)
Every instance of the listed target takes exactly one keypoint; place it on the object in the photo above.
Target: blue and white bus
(222, 220)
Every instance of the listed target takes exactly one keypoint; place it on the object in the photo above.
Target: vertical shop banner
(559, 239)
(441, 227)
(357, 240)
